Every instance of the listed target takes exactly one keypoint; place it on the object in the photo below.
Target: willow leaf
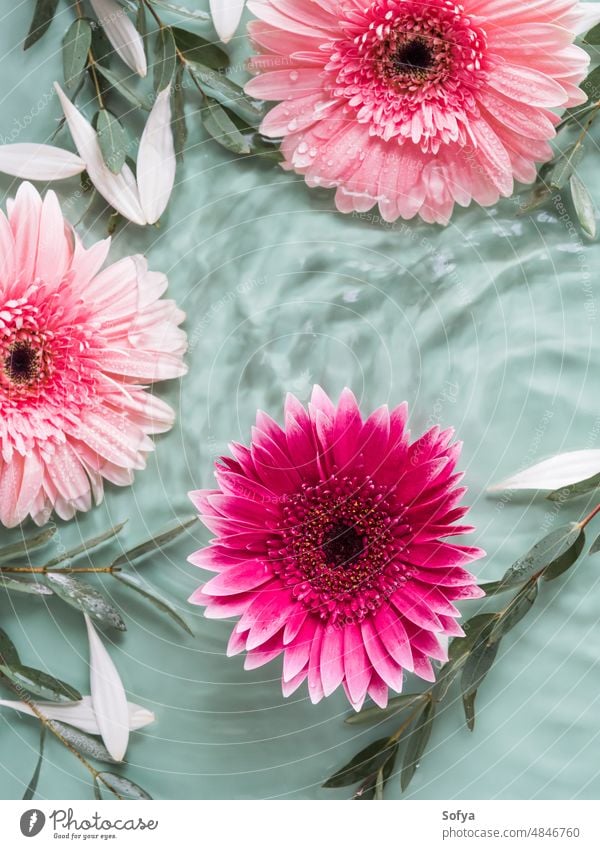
(9, 656)
(43, 16)
(135, 584)
(86, 546)
(84, 597)
(84, 743)
(367, 761)
(197, 49)
(32, 786)
(24, 546)
(417, 743)
(396, 705)
(156, 543)
(9, 582)
(122, 786)
(40, 684)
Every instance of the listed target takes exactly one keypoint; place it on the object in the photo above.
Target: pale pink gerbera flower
(329, 545)
(417, 105)
(78, 347)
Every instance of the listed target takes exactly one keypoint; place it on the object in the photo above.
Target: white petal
(39, 162)
(122, 34)
(108, 696)
(156, 159)
(226, 15)
(588, 17)
(81, 714)
(556, 472)
(120, 190)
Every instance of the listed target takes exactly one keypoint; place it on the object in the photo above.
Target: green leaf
(566, 560)
(591, 84)
(97, 793)
(24, 546)
(516, 609)
(183, 11)
(76, 45)
(544, 553)
(178, 124)
(375, 714)
(227, 93)
(595, 546)
(112, 140)
(584, 206)
(219, 125)
(84, 743)
(40, 684)
(82, 596)
(42, 18)
(134, 583)
(374, 785)
(165, 59)
(119, 86)
(196, 49)
(469, 707)
(32, 786)
(123, 786)
(565, 164)
(9, 656)
(478, 664)
(8, 582)
(86, 546)
(156, 543)
(140, 20)
(367, 761)
(417, 743)
(575, 489)
(593, 36)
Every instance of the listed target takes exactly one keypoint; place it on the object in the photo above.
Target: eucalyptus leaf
(9, 656)
(165, 58)
(40, 684)
(396, 705)
(134, 583)
(591, 85)
(595, 546)
(417, 743)
(24, 546)
(123, 786)
(119, 86)
(178, 124)
(43, 16)
(76, 45)
(82, 596)
(516, 609)
(183, 11)
(86, 546)
(227, 93)
(112, 139)
(9, 582)
(156, 543)
(584, 206)
(593, 36)
(565, 165)
(197, 49)
(84, 743)
(544, 553)
(469, 708)
(574, 490)
(566, 560)
(219, 125)
(140, 20)
(32, 786)
(367, 761)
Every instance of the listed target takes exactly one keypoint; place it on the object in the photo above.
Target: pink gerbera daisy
(417, 104)
(78, 347)
(329, 545)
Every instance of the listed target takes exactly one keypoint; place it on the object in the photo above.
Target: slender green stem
(69, 570)
(585, 522)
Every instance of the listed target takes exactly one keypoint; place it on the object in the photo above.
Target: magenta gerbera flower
(329, 545)
(415, 105)
(78, 348)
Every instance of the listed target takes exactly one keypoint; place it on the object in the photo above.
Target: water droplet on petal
(294, 76)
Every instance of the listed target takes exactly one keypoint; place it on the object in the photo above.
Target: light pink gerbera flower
(78, 347)
(328, 544)
(417, 105)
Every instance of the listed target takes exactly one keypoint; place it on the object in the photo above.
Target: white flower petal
(120, 190)
(81, 714)
(589, 16)
(156, 159)
(556, 472)
(108, 696)
(226, 15)
(122, 34)
(39, 162)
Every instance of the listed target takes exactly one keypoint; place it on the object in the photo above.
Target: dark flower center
(413, 57)
(342, 545)
(22, 363)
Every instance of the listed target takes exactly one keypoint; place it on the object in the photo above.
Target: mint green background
(486, 325)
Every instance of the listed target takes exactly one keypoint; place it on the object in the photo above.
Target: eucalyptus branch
(67, 570)
(471, 657)
(91, 60)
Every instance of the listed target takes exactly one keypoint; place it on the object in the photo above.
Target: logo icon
(32, 822)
